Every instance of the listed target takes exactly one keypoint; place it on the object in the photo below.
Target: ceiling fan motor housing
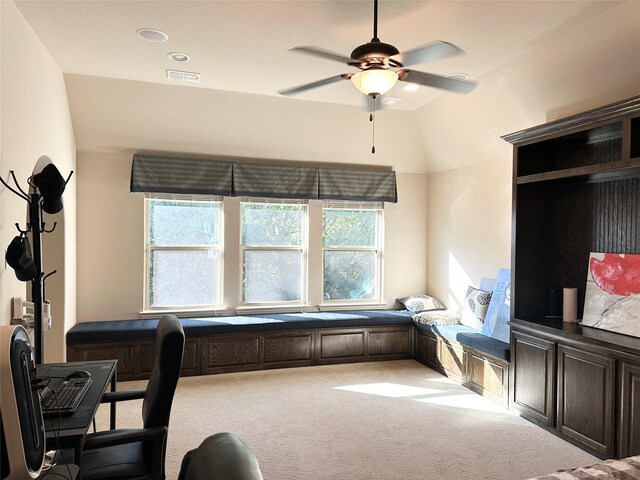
(374, 49)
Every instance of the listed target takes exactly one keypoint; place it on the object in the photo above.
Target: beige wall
(36, 121)
(469, 236)
(111, 241)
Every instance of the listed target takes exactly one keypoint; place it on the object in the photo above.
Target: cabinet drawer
(290, 347)
(334, 345)
(230, 352)
(452, 359)
(388, 343)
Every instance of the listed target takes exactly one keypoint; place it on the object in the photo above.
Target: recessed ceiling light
(411, 87)
(178, 57)
(458, 76)
(152, 35)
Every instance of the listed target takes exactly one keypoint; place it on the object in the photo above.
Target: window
(183, 253)
(352, 253)
(273, 255)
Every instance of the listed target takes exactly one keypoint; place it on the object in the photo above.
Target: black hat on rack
(19, 258)
(51, 185)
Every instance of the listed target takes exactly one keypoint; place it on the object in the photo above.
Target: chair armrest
(119, 437)
(124, 395)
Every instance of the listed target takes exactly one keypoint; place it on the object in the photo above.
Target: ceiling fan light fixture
(375, 81)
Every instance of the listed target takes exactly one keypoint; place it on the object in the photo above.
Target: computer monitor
(23, 442)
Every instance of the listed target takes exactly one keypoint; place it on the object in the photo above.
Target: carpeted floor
(363, 421)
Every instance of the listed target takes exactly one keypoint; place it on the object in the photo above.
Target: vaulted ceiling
(533, 61)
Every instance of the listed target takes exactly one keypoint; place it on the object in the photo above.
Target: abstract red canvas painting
(612, 297)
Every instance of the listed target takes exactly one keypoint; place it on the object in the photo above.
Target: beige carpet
(383, 420)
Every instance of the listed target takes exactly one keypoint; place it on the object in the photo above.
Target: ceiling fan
(381, 65)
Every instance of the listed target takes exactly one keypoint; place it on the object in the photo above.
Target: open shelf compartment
(590, 147)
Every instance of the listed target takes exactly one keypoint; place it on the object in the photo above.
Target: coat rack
(36, 226)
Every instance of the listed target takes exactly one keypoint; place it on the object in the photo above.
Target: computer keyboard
(65, 398)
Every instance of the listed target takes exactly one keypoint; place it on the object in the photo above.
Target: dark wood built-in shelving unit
(576, 190)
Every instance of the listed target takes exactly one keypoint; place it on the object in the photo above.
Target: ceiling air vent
(183, 76)
(390, 100)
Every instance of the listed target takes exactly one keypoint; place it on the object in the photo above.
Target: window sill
(275, 309)
(261, 309)
(195, 312)
(328, 307)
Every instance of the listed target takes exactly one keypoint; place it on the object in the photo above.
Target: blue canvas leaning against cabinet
(495, 322)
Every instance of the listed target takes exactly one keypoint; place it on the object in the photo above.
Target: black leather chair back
(156, 407)
(222, 456)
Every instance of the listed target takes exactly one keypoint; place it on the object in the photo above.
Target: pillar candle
(570, 304)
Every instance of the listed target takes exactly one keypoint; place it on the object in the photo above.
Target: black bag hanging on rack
(20, 258)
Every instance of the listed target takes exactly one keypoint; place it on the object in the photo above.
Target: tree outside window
(351, 254)
(272, 244)
(183, 253)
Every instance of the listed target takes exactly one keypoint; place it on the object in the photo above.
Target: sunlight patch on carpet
(467, 401)
(393, 390)
(446, 380)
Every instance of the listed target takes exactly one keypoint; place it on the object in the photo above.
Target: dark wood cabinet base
(479, 372)
(208, 354)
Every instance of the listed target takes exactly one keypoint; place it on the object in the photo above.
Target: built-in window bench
(250, 342)
(478, 362)
(255, 342)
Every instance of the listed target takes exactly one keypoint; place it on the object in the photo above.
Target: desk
(68, 431)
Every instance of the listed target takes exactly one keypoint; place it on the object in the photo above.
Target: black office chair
(222, 456)
(125, 454)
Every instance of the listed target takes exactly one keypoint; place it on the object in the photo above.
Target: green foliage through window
(351, 254)
(272, 237)
(183, 259)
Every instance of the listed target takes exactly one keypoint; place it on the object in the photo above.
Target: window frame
(148, 249)
(378, 250)
(303, 250)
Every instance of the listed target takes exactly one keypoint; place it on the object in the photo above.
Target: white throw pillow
(476, 303)
(438, 317)
(421, 303)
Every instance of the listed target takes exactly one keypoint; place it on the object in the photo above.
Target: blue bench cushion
(470, 337)
(447, 331)
(486, 344)
(117, 330)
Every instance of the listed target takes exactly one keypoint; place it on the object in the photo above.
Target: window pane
(349, 228)
(349, 275)
(270, 224)
(183, 278)
(183, 223)
(271, 276)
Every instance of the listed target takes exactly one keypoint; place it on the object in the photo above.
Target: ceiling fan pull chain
(372, 119)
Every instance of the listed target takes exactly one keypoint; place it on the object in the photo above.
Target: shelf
(602, 171)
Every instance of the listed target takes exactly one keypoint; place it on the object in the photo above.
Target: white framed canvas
(612, 296)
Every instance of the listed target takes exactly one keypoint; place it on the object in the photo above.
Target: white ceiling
(528, 58)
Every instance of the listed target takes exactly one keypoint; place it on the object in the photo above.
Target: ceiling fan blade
(437, 81)
(427, 53)
(321, 52)
(309, 86)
